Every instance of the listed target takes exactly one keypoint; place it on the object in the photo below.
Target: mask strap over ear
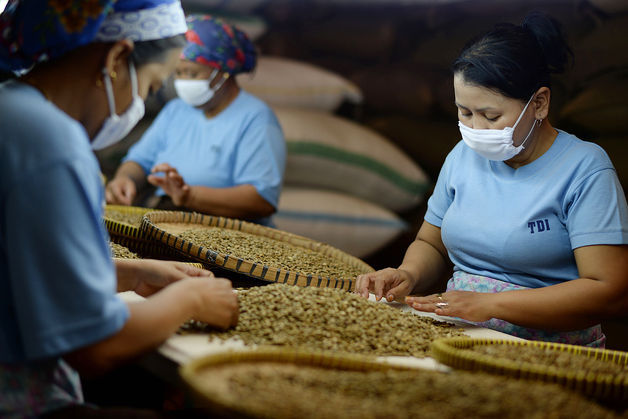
(133, 73)
(524, 110)
(109, 91)
(109, 85)
(536, 122)
(225, 76)
(212, 76)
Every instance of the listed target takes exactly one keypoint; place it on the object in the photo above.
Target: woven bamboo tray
(164, 227)
(133, 238)
(195, 265)
(601, 386)
(192, 371)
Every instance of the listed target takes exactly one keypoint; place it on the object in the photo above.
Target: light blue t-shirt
(57, 279)
(241, 145)
(522, 225)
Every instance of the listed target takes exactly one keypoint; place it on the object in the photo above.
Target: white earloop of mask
(115, 127)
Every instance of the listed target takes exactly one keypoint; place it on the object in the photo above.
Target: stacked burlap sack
(345, 184)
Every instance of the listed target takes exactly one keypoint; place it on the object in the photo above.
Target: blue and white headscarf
(33, 31)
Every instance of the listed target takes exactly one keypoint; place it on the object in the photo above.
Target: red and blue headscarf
(32, 31)
(215, 43)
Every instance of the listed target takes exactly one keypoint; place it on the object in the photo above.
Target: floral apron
(463, 281)
(27, 391)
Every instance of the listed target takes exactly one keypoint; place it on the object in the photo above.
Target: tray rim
(193, 264)
(121, 228)
(243, 266)
(133, 237)
(317, 359)
(451, 352)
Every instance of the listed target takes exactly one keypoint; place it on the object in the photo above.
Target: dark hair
(145, 52)
(516, 60)
(5, 75)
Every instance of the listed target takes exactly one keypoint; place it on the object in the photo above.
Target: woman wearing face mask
(85, 68)
(216, 149)
(533, 219)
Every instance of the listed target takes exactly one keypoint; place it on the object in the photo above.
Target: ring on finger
(442, 305)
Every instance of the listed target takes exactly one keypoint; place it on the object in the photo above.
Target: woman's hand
(171, 182)
(218, 303)
(120, 190)
(147, 276)
(391, 283)
(467, 305)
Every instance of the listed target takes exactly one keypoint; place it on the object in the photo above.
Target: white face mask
(198, 92)
(116, 127)
(495, 144)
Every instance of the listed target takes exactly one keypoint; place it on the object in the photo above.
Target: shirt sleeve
(261, 157)
(61, 275)
(145, 151)
(442, 197)
(597, 212)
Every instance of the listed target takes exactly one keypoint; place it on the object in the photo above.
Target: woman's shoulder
(37, 135)
(26, 113)
(251, 100)
(585, 154)
(253, 103)
(175, 105)
(20, 101)
(254, 109)
(461, 153)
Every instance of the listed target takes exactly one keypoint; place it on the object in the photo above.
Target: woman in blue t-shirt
(533, 219)
(216, 149)
(85, 69)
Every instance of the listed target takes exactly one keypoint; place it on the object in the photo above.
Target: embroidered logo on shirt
(539, 225)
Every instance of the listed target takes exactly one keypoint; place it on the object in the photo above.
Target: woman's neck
(542, 141)
(224, 98)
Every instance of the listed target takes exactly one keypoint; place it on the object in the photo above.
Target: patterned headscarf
(33, 31)
(216, 44)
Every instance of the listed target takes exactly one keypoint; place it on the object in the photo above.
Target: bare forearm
(571, 305)
(241, 201)
(426, 265)
(125, 272)
(150, 323)
(133, 171)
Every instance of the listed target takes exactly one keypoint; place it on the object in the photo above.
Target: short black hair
(516, 60)
(145, 52)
